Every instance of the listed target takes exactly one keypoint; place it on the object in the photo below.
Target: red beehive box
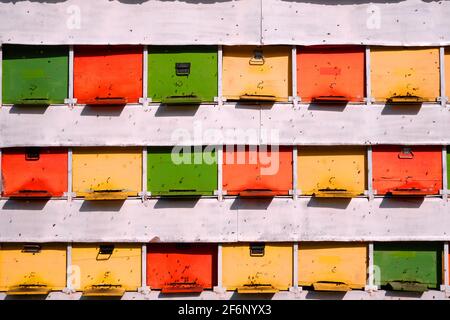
(330, 73)
(110, 75)
(399, 170)
(34, 172)
(175, 268)
(251, 172)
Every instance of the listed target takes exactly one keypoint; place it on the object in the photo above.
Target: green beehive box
(168, 178)
(182, 74)
(35, 75)
(408, 266)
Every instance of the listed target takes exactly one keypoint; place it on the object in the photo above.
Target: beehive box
(107, 269)
(253, 73)
(25, 269)
(107, 173)
(408, 266)
(181, 172)
(407, 171)
(107, 75)
(254, 172)
(330, 73)
(35, 74)
(34, 172)
(182, 74)
(181, 267)
(257, 267)
(404, 75)
(331, 171)
(332, 266)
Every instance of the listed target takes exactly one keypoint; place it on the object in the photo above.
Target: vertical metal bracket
(145, 100)
(144, 194)
(219, 99)
(69, 194)
(219, 289)
(446, 287)
(1, 75)
(294, 98)
(220, 192)
(70, 101)
(144, 289)
(370, 287)
(1, 180)
(295, 288)
(69, 289)
(294, 192)
(370, 193)
(444, 191)
(369, 100)
(442, 99)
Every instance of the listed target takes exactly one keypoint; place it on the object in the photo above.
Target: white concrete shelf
(283, 124)
(230, 220)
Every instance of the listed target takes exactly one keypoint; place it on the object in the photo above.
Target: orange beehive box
(250, 171)
(181, 267)
(399, 170)
(110, 75)
(330, 73)
(34, 172)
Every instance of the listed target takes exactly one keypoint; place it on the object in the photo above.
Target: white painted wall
(210, 220)
(393, 22)
(227, 124)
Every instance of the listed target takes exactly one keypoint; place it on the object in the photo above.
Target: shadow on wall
(176, 203)
(404, 294)
(256, 296)
(13, 204)
(406, 202)
(395, 110)
(323, 295)
(251, 203)
(107, 205)
(102, 111)
(333, 203)
(17, 109)
(176, 111)
(26, 297)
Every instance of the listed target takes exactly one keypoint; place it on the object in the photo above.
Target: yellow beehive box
(107, 269)
(252, 73)
(257, 267)
(332, 266)
(107, 173)
(34, 269)
(404, 75)
(331, 171)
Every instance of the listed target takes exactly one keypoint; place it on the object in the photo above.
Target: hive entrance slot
(330, 286)
(181, 100)
(29, 289)
(331, 99)
(182, 287)
(257, 193)
(405, 99)
(257, 98)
